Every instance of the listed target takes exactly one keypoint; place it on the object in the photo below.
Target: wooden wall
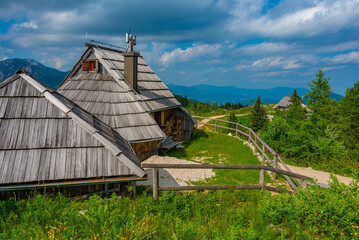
(188, 124)
(145, 150)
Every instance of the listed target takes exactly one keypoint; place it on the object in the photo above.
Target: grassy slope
(221, 149)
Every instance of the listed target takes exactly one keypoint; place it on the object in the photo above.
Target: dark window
(93, 66)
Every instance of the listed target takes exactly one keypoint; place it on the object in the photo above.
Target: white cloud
(24, 25)
(352, 57)
(290, 18)
(197, 49)
(281, 62)
(4, 58)
(182, 72)
(339, 47)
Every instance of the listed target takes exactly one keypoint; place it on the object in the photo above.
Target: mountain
(221, 94)
(47, 75)
(202, 93)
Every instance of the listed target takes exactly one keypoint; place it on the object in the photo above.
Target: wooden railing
(156, 184)
(260, 146)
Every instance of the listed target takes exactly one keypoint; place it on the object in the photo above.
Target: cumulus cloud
(352, 57)
(25, 25)
(197, 49)
(281, 62)
(295, 19)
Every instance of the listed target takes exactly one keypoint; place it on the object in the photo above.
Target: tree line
(324, 134)
(198, 107)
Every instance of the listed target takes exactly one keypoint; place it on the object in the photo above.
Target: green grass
(216, 148)
(242, 214)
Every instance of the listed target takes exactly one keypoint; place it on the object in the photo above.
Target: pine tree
(258, 115)
(350, 112)
(295, 109)
(319, 96)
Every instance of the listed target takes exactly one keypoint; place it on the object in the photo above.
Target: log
(219, 166)
(211, 187)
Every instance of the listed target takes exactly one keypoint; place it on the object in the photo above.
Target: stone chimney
(130, 68)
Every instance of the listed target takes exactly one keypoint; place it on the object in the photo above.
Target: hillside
(47, 75)
(221, 94)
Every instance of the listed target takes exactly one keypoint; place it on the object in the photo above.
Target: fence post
(236, 129)
(215, 127)
(263, 153)
(155, 182)
(134, 189)
(261, 179)
(275, 162)
(249, 136)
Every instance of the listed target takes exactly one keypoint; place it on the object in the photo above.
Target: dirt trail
(201, 125)
(322, 177)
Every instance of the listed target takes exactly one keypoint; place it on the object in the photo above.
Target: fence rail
(260, 146)
(156, 186)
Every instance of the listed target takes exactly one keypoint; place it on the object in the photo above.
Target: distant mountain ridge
(233, 94)
(202, 93)
(47, 75)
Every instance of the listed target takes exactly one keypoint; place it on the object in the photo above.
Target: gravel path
(175, 177)
(322, 177)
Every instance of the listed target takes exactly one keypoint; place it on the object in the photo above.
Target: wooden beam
(219, 166)
(211, 187)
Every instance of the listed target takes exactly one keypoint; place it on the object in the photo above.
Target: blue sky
(248, 44)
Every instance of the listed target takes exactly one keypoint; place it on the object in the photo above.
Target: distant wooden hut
(47, 141)
(120, 89)
(285, 102)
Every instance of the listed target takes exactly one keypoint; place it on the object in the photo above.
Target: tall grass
(316, 213)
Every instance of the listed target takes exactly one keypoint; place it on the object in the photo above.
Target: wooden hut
(120, 89)
(47, 141)
(285, 102)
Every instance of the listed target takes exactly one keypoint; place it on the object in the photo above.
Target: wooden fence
(156, 188)
(260, 146)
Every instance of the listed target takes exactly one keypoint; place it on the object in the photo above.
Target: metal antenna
(130, 39)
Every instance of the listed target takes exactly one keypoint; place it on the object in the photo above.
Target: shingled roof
(151, 89)
(112, 100)
(46, 137)
(285, 102)
(105, 98)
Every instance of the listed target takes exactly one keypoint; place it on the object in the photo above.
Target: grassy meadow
(318, 213)
(215, 148)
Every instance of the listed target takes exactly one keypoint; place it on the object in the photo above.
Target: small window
(92, 66)
(84, 66)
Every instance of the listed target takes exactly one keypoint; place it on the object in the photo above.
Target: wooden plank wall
(145, 150)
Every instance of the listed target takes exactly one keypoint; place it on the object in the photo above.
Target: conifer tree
(258, 115)
(295, 109)
(319, 97)
(350, 112)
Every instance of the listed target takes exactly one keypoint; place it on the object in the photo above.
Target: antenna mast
(131, 40)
